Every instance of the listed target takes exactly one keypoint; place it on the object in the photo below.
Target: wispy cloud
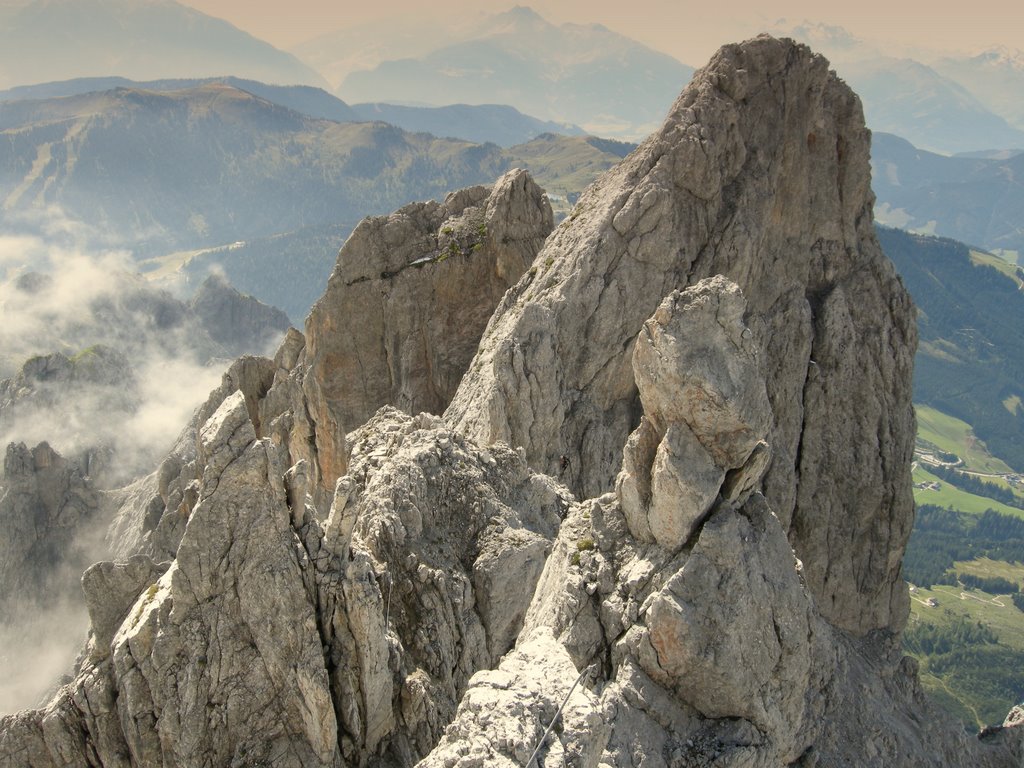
(57, 296)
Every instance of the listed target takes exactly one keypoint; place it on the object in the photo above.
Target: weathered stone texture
(760, 173)
(408, 301)
(712, 348)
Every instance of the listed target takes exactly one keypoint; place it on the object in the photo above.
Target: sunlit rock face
(711, 351)
(408, 301)
(760, 173)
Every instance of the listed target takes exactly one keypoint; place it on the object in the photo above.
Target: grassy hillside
(951, 435)
(964, 558)
(230, 166)
(976, 672)
(970, 361)
(949, 496)
(1000, 264)
(977, 682)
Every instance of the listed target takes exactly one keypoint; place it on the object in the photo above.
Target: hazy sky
(682, 28)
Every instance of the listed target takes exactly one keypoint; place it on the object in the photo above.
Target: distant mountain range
(464, 75)
(213, 176)
(911, 99)
(995, 76)
(957, 105)
(309, 100)
(975, 200)
(480, 123)
(337, 53)
(46, 40)
(563, 165)
(582, 74)
(205, 166)
(498, 123)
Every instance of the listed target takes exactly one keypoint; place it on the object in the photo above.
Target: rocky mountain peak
(760, 173)
(711, 351)
(408, 301)
(236, 320)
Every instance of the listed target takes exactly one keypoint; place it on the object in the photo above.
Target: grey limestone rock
(712, 349)
(438, 545)
(706, 410)
(709, 646)
(277, 637)
(408, 301)
(111, 589)
(760, 173)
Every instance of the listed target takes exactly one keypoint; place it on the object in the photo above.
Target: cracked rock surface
(711, 351)
(760, 173)
(407, 303)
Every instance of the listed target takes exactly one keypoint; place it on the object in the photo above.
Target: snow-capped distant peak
(1001, 56)
(817, 34)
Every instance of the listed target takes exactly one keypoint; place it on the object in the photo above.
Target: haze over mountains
(245, 168)
(979, 201)
(228, 163)
(247, 181)
(583, 74)
(961, 104)
(45, 40)
(996, 76)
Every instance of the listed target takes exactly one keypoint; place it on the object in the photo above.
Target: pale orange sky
(682, 28)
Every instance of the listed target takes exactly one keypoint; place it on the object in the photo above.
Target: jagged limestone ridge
(281, 634)
(759, 173)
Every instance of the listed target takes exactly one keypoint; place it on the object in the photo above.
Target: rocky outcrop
(760, 173)
(46, 501)
(273, 636)
(408, 301)
(149, 515)
(701, 637)
(239, 323)
(429, 312)
(713, 342)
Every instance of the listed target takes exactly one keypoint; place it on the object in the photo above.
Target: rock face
(234, 320)
(702, 637)
(274, 637)
(760, 173)
(405, 594)
(45, 501)
(408, 301)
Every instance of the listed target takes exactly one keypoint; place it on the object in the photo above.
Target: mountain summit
(582, 74)
(665, 510)
(46, 40)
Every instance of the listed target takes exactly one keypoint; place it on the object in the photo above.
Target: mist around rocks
(152, 361)
(103, 368)
(37, 649)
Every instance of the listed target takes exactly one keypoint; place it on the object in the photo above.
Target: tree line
(942, 537)
(977, 486)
